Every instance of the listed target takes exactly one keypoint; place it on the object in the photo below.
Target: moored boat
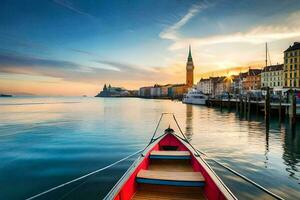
(195, 97)
(170, 168)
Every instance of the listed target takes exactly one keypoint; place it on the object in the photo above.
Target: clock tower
(190, 70)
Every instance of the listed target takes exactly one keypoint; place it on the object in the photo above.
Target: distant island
(116, 92)
(6, 95)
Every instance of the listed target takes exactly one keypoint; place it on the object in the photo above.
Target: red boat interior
(169, 171)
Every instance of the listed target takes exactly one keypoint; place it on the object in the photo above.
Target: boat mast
(266, 54)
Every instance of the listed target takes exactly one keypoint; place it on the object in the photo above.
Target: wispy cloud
(69, 5)
(15, 40)
(89, 53)
(171, 32)
(71, 71)
(16, 60)
(288, 28)
(123, 66)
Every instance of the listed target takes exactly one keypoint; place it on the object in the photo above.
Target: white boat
(195, 96)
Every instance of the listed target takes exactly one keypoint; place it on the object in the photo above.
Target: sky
(74, 47)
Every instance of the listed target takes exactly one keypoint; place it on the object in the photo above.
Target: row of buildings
(109, 91)
(174, 91)
(252, 80)
(278, 76)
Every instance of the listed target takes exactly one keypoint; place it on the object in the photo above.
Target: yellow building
(190, 70)
(177, 91)
(291, 75)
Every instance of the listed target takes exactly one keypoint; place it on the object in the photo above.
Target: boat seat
(169, 148)
(191, 179)
(172, 155)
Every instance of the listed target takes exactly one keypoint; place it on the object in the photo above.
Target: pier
(252, 105)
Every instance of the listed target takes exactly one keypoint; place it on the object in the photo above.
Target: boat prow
(170, 168)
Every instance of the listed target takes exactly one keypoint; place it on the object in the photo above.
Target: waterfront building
(113, 92)
(237, 83)
(291, 73)
(221, 86)
(190, 70)
(176, 91)
(227, 84)
(133, 93)
(214, 85)
(164, 90)
(145, 91)
(155, 91)
(272, 76)
(252, 81)
(205, 85)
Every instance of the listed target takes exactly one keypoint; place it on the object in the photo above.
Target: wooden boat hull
(170, 164)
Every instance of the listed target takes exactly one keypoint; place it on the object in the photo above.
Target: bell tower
(190, 70)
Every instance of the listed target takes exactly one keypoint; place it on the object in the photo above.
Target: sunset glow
(85, 45)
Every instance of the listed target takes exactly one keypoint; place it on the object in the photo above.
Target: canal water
(45, 142)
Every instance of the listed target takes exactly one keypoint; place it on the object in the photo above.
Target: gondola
(170, 168)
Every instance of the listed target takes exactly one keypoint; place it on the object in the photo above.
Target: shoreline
(162, 98)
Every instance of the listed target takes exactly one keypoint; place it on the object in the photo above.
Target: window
(295, 59)
(291, 60)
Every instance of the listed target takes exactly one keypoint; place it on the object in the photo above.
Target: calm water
(48, 141)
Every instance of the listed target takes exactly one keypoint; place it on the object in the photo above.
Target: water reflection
(267, 147)
(250, 146)
(53, 143)
(189, 122)
(291, 153)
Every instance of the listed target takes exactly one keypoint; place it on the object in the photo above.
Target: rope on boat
(104, 168)
(142, 150)
(243, 177)
(226, 167)
(156, 128)
(84, 176)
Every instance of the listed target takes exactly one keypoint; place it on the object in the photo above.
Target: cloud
(69, 5)
(71, 71)
(171, 32)
(22, 42)
(288, 28)
(89, 53)
(17, 60)
(123, 66)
